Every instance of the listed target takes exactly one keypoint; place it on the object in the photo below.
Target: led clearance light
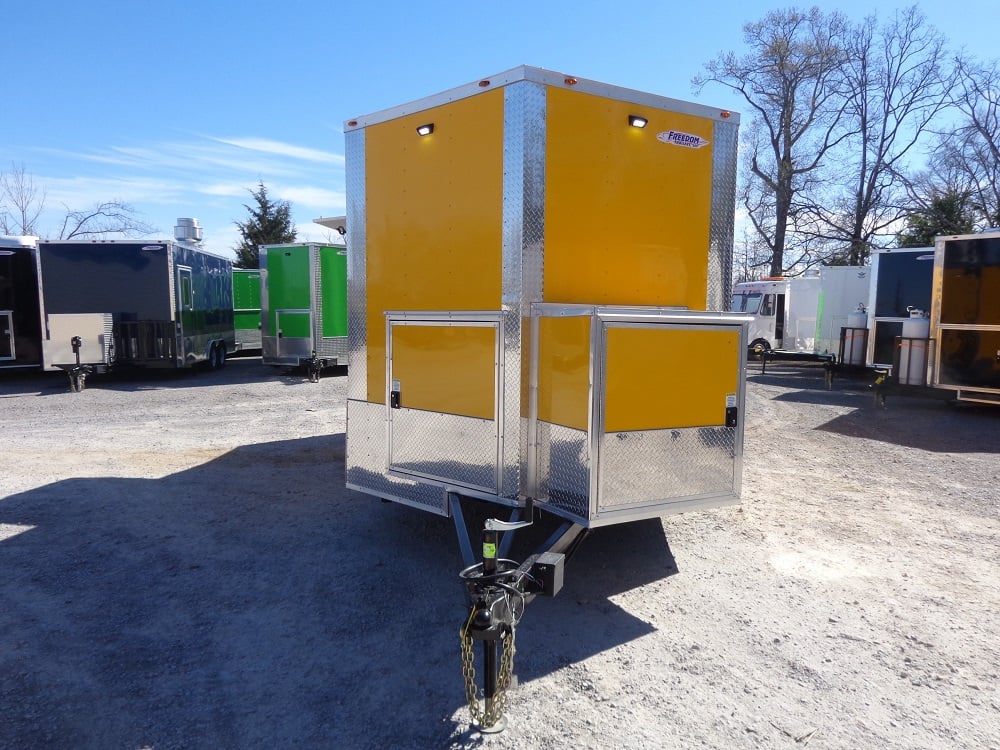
(425, 129)
(637, 121)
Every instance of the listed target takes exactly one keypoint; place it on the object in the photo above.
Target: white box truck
(802, 317)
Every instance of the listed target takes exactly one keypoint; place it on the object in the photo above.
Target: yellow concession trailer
(965, 318)
(535, 265)
(535, 268)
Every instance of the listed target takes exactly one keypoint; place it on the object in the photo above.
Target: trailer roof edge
(548, 78)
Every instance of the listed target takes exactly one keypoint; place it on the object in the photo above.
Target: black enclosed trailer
(902, 279)
(954, 353)
(169, 304)
(20, 303)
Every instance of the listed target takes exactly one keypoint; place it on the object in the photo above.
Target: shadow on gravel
(238, 370)
(296, 375)
(925, 424)
(255, 602)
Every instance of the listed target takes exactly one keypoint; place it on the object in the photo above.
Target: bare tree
(792, 80)
(897, 82)
(974, 146)
(102, 220)
(21, 201)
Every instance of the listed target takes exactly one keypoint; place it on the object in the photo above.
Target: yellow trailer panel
(424, 252)
(667, 377)
(627, 210)
(563, 371)
(448, 369)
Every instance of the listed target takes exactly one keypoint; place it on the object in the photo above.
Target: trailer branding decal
(677, 138)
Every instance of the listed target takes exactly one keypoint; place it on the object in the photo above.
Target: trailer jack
(77, 373)
(499, 590)
(314, 366)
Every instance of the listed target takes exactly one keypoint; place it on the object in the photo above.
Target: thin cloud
(314, 197)
(202, 176)
(277, 148)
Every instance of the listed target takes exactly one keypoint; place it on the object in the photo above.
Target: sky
(181, 108)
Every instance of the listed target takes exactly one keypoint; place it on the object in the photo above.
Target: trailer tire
(220, 356)
(213, 358)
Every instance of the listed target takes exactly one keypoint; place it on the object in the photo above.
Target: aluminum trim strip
(357, 292)
(544, 78)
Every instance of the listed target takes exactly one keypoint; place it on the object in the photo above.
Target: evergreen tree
(948, 212)
(268, 223)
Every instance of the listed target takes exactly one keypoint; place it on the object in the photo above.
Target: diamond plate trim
(564, 465)
(523, 230)
(445, 447)
(723, 222)
(357, 294)
(664, 466)
(247, 340)
(366, 462)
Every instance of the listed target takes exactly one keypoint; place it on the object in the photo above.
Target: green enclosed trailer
(246, 308)
(303, 303)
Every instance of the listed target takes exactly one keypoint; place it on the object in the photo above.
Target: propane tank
(854, 336)
(913, 348)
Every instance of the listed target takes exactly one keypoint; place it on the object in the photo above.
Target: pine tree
(269, 223)
(948, 212)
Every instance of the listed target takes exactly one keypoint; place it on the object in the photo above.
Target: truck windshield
(748, 302)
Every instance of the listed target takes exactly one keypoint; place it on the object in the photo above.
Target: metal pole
(489, 645)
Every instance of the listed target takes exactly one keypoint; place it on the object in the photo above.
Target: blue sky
(179, 108)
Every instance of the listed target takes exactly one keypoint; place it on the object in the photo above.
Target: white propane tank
(854, 337)
(913, 348)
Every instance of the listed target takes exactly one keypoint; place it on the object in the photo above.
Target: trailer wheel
(213, 358)
(220, 356)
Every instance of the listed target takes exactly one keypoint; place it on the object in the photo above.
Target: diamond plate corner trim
(564, 470)
(722, 225)
(316, 295)
(661, 467)
(523, 233)
(357, 295)
(365, 465)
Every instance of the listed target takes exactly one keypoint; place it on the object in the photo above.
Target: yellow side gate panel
(659, 377)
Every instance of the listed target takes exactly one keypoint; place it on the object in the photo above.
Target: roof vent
(187, 230)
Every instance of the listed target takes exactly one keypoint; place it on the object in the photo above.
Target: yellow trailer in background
(537, 269)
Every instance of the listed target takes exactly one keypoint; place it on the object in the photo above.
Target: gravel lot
(181, 567)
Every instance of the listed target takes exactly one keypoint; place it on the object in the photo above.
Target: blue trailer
(151, 304)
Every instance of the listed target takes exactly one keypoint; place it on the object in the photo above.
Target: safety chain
(492, 714)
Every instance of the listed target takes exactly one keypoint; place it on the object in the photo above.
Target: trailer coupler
(499, 590)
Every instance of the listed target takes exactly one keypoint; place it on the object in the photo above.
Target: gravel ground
(181, 567)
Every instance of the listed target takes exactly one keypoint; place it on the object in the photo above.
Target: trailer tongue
(499, 589)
